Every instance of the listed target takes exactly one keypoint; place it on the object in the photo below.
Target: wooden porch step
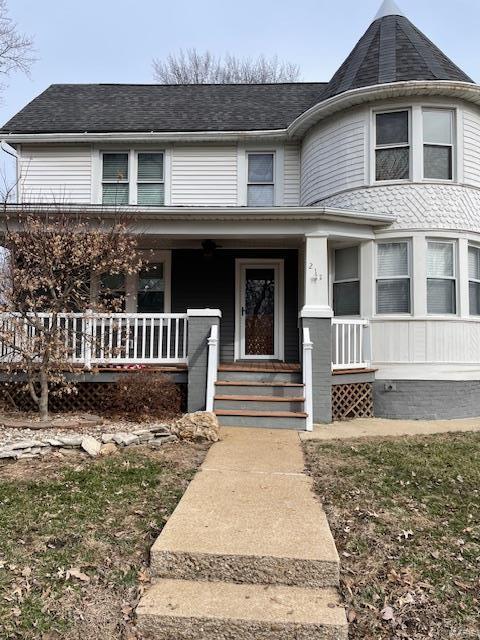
(246, 383)
(264, 367)
(260, 414)
(262, 398)
(350, 372)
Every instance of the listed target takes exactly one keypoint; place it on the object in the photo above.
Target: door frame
(279, 322)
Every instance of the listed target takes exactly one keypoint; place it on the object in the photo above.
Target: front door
(259, 310)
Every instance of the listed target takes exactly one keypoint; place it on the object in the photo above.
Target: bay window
(441, 277)
(393, 277)
(260, 180)
(474, 279)
(438, 144)
(346, 286)
(392, 145)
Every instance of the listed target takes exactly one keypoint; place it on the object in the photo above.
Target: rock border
(154, 436)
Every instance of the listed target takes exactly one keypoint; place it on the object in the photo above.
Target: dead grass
(75, 536)
(405, 514)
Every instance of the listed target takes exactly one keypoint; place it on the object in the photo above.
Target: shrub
(144, 394)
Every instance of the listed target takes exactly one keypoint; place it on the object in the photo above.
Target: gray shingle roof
(392, 50)
(73, 108)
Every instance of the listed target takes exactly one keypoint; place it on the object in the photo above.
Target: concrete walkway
(378, 427)
(248, 552)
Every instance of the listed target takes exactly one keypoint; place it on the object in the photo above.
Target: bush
(143, 395)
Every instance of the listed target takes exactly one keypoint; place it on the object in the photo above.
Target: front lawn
(75, 535)
(405, 515)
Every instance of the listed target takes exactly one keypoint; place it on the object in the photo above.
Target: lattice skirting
(353, 400)
(90, 397)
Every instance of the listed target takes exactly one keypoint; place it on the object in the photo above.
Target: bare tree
(193, 67)
(49, 260)
(16, 49)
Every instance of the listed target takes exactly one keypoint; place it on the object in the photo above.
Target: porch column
(200, 322)
(316, 314)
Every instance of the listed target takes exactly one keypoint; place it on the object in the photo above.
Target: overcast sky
(115, 40)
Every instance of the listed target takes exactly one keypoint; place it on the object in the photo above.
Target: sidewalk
(379, 427)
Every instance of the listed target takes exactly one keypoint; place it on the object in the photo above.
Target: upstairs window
(346, 287)
(441, 279)
(115, 187)
(150, 179)
(392, 145)
(260, 185)
(438, 144)
(474, 280)
(393, 277)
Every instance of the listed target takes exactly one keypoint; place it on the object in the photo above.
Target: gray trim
(352, 378)
(321, 336)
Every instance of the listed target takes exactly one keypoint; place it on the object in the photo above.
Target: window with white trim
(441, 277)
(438, 144)
(150, 179)
(151, 288)
(113, 291)
(474, 279)
(393, 277)
(142, 184)
(392, 145)
(260, 179)
(115, 179)
(346, 286)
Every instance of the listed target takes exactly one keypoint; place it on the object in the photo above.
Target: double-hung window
(441, 277)
(113, 291)
(393, 277)
(151, 289)
(150, 179)
(474, 279)
(438, 144)
(392, 145)
(260, 180)
(115, 179)
(346, 287)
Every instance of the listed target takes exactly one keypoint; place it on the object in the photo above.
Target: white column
(418, 276)
(316, 291)
(367, 278)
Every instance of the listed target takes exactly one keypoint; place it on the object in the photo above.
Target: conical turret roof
(392, 50)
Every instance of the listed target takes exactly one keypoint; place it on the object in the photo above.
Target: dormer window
(392, 145)
(438, 144)
(260, 180)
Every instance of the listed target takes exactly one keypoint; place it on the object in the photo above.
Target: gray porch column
(317, 316)
(200, 322)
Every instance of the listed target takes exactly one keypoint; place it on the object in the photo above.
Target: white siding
(205, 175)
(55, 174)
(333, 157)
(471, 146)
(425, 342)
(291, 176)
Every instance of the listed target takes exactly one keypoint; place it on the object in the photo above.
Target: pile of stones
(155, 435)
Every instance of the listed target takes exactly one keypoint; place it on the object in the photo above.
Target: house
(308, 241)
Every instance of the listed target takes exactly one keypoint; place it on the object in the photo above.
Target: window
(393, 277)
(474, 280)
(346, 287)
(115, 179)
(151, 289)
(441, 290)
(392, 150)
(150, 180)
(260, 186)
(438, 144)
(112, 291)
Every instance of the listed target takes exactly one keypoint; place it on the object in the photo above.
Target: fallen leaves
(75, 572)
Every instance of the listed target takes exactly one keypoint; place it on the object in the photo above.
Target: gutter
(262, 214)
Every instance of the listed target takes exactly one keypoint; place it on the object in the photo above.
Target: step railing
(212, 367)
(351, 347)
(92, 338)
(307, 352)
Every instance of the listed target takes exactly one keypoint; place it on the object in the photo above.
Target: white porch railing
(212, 367)
(307, 367)
(105, 338)
(350, 344)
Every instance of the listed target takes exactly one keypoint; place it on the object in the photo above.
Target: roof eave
(462, 90)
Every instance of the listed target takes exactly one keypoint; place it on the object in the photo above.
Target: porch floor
(260, 366)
